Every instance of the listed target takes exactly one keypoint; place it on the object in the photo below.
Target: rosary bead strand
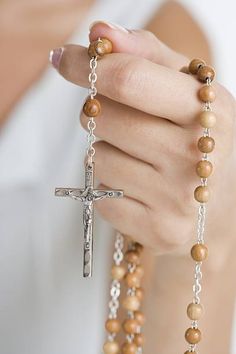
(113, 325)
(204, 168)
(132, 325)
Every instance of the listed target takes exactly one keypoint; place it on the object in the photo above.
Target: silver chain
(91, 138)
(115, 289)
(197, 287)
(132, 292)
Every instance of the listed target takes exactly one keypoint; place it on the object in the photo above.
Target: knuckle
(169, 235)
(150, 35)
(125, 75)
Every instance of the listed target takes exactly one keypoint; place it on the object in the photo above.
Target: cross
(88, 196)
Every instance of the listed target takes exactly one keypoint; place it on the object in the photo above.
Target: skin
(142, 72)
(145, 98)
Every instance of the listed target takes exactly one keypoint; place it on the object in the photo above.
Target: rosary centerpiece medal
(88, 195)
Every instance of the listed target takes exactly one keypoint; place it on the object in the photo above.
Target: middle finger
(141, 135)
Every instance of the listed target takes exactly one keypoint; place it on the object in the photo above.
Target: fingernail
(55, 57)
(110, 25)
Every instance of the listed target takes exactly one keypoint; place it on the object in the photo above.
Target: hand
(149, 131)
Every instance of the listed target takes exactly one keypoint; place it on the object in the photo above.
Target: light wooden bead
(139, 339)
(204, 168)
(199, 252)
(139, 316)
(92, 50)
(193, 335)
(207, 94)
(132, 257)
(113, 325)
(111, 348)
(118, 272)
(131, 326)
(129, 348)
(202, 194)
(139, 271)
(92, 107)
(138, 247)
(107, 44)
(207, 119)
(132, 280)
(131, 303)
(139, 293)
(188, 352)
(206, 72)
(99, 48)
(195, 65)
(194, 311)
(206, 144)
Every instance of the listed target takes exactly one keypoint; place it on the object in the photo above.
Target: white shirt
(46, 307)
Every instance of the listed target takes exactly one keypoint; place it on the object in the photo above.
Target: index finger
(137, 82)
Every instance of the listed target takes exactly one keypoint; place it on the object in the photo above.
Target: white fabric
(45, 305)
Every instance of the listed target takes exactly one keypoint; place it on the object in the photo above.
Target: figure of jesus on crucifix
(88, 196)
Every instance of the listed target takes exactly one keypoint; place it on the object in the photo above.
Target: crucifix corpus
(88, 196)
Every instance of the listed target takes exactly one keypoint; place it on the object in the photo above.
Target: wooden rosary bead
(205, 73)
(194, 311)
(139, 316)
(202, 194)
(207, 94)
(195, 65)
(92, 50)
(139, 293)
(206, 144)
(132, 280)
(139, 271)
(199, 252)
(193, 335)
(138, 247)
(131, 326)
(207, 119)
(204, 168)
(113, 325)
(99, 48)
(118, 272)
(92, 107)
(111, 348)
(131, 303)
(139, 339)
(129, 348)
(132, 257)
(107, 46)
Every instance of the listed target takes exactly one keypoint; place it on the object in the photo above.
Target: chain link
(201, 223)
(201, 220)
(115, 289)
(91, 138)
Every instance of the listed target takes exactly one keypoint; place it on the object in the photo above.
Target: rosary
(127, 266)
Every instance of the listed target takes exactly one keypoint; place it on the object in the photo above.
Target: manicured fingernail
(110, 25)
(55, 57)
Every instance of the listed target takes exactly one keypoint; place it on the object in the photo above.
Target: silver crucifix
(88, 196)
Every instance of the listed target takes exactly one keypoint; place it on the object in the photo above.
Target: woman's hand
(149, 131)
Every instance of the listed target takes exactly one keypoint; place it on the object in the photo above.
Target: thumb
(141, 43)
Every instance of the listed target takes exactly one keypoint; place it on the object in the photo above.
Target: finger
(139, 42)
(135, 219)
(125, 172)
(138, 83)
(127, 129)
(127, 215)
